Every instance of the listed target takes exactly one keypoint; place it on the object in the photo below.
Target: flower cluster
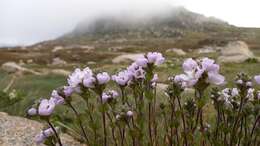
(204, 70)
(137, 113)
(44, 135)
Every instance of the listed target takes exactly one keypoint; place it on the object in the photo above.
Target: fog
(24, 22)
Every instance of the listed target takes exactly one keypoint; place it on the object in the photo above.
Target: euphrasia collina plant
(196, 109)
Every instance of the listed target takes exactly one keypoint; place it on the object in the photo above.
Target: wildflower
(46, 107)
(142, 62)
(129, 113)
(118, 116)
(89, 82)
(240, 82)
(257, 79)
(155, 57)
(189, 65)
(68, 91)
(155, 78)
(258, 95)
(195, 70)
(40, 138)
(109, 95)
(57, 98)
(121, 78)
(76, 78)
(249, 84)
(136, 71)
(103, 78)
(234, 92)
(32, 111)
(250, 94)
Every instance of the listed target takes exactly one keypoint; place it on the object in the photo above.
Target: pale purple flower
(155, 78)
(46, 107)
(142, 62)
(121, 78)
(40, 138)
(250, 94)
(258, 95)
(209, 65)
(240, 82)
(194, 71)
(129, 113)
(249, 84)
(155, 57)
(103, 78)
(257, 79)
(215, 78)
(75, 78)
(136, 71)
(109, 95)
(234, 92)
(49, 132)
(32, 111)
(189, 65)
(57, 98)
(87, 72)
(89, 82)
(68, 91)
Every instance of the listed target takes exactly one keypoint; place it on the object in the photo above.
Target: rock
(60, 72)
(177, 51)
(126, 58)
(161, 87)
(58, 62)
(91, 63)
(206, 49)
(29, 61)
(236, 52)
(21, 63)
(57, 48)
(18, 131)
(12, 67)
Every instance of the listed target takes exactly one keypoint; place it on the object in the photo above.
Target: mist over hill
(170, 22)
(164, 28)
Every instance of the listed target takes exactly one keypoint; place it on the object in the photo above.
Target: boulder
(57, 48)
(58, 62)
(206, 49)
(60, 72)
(235, 52)
(177, 51)
(18, 131)
(12, 67)
(126, 58)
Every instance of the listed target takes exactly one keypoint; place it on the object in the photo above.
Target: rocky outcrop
(58, 62)
(177, 51)
(126, 58)
(235, 52)
(12, 67)
(17, 131)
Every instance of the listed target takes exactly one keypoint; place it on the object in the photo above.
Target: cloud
(30, 21)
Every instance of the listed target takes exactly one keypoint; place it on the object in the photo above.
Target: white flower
(250, 94)
(129, 113)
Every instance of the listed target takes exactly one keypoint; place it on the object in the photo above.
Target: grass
(35, 87)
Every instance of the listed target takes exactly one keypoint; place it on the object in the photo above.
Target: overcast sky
(30, 21)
